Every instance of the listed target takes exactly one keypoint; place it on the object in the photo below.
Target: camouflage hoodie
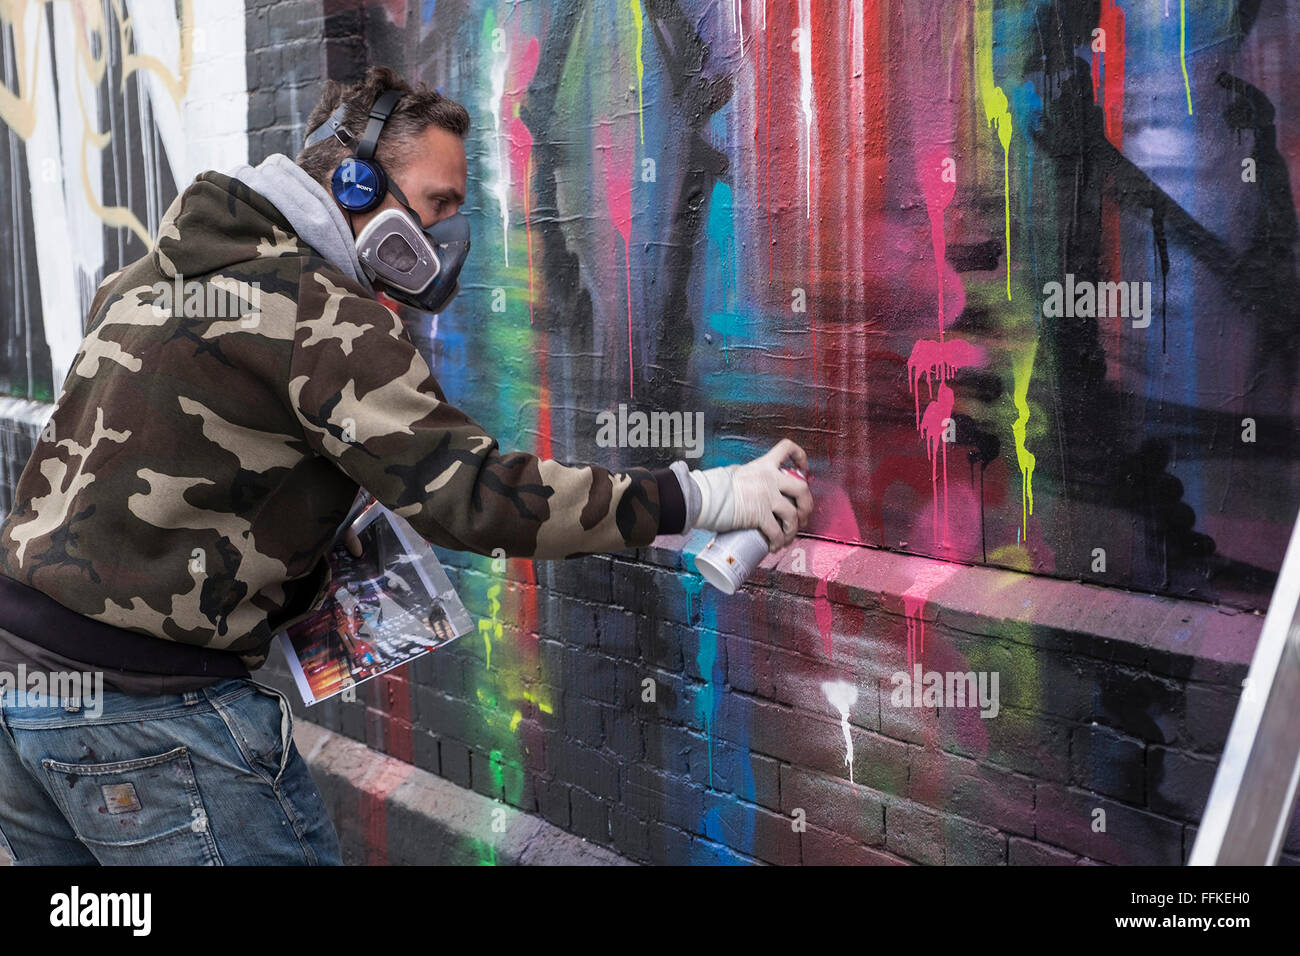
(210, 438)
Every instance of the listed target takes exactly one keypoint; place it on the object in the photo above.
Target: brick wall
(1110, 701)
(292, 46)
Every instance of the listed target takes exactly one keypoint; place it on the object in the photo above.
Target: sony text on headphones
(418, 266)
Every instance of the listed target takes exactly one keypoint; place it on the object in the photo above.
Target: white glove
(755, 495)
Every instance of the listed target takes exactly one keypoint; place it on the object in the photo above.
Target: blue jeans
(209, 777)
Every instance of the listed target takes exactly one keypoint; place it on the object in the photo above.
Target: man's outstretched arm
(367, 401)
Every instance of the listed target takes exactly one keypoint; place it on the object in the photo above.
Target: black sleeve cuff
(672, 503)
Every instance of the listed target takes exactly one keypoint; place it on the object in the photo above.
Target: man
(179, 507)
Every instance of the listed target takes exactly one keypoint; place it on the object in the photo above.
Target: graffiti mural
(108, 106)
(1019, 275)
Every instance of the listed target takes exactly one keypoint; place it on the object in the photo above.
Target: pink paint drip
(523, 68)
(941, 359)
(914, 598)
(822, 605)
(618, 164)
(932, 426)
(521, 162)
(937, 358)
(938, 196)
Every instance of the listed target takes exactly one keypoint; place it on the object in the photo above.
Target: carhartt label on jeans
(120, 797)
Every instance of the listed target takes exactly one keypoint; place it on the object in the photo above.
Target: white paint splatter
(805, 86)
(500, 187)
(843, 696)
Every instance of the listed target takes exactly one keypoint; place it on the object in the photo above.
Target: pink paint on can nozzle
(731, 556)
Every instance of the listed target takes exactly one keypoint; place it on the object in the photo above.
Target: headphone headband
(385, 103)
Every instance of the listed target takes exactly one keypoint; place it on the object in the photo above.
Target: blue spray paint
(1026, 111)
(740, 836)
(720, 278)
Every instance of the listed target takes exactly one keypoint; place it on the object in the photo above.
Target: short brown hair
(419, 109)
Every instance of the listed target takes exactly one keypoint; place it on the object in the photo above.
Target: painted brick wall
(1110, 701)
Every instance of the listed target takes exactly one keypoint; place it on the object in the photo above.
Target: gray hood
(313, 213)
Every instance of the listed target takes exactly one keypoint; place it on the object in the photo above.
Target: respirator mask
(416, 266)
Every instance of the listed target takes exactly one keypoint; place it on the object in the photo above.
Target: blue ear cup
(359, 185)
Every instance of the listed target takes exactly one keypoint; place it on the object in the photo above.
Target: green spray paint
(1182, 51)
(996, 110)
(485, 851)
(511, 788)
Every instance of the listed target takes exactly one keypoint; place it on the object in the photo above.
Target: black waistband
(36, 617)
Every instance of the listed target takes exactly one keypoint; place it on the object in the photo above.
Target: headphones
(419, 266)
(359, 183)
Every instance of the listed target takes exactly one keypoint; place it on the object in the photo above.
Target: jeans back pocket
(142, 811)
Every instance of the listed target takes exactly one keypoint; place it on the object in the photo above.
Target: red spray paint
(1110, 64)
(396, 700)
(376, 786)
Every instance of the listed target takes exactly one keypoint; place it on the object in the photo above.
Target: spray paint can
(731, 556)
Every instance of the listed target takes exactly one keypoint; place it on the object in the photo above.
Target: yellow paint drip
(1022, 369)
(1182, 50)
(996, 109)
(490, 627)
(542, 705)
(640, 65)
